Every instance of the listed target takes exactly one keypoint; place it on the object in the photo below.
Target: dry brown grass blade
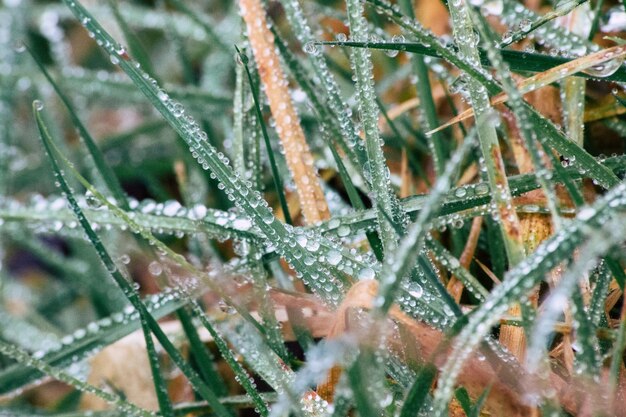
(545, 78)
(604, 109)
(405, 176)
(488, 272)
(455, 287)
(297, 153)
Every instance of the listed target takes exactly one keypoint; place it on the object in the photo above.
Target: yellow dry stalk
(455, 287)
(297, 153)
(544, 79)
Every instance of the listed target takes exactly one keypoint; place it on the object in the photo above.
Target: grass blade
(384, 196)
(148, 321)
(108, 176)
(278, 182)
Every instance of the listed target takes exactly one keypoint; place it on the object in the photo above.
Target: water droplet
(415, 289)
(19, 47)
(605, 69)
(334, 257)
(366, 273)
(155, 268)
(481, 189)
(392, 52)
(242, 224)
(525, 25)
(312, 48)
(343, 231)
(38, 104)
(460, 192)
(92, 201)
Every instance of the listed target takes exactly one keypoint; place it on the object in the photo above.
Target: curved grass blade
(108, 176)
(522, 62)
(92, 338)
(165, 405)
(148, 321)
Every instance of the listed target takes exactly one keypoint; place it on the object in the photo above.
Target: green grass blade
(519, 61)
(93, 338)
(617, 358)
(360, 383)
(552, 136)
(417, 395)
(113, 184)
(600, 292)
(278, 182)
(201, 356)
(134, 43)
(384, 196)
(401, 261)
(337, 108)
(248, 200)
(428, 111)
(452, 264)
(588, 353)
(132, 295)
(466, 39)
(562, 8)
(527, 132)
(242, 376)
(160, 388)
